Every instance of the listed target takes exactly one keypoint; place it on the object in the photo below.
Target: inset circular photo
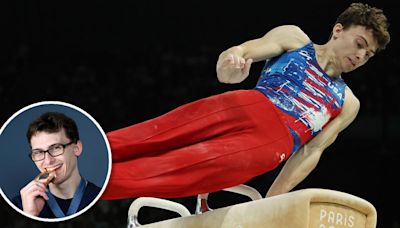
(55, 161)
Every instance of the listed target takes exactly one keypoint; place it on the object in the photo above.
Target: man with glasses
(59, 190)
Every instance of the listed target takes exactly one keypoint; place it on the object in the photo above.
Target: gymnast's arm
(233, 64)
(301, 163)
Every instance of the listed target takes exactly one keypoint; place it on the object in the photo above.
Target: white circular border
(109, 160)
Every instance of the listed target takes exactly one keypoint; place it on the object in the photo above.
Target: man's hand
(233, 68)
(33, 197)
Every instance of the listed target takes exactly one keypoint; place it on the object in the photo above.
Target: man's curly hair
(370, 17)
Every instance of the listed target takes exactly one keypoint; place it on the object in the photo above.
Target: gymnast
(297, 109)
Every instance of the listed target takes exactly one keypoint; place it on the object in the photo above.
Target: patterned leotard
(307, 96)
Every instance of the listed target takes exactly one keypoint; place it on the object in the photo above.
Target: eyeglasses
(54, 151)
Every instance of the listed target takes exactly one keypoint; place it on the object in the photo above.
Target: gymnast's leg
(188, 124)
(226, 146)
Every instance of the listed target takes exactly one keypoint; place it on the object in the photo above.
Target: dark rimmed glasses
(54, 151)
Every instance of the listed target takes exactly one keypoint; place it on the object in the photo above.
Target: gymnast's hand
(33, 197)
(232, 68)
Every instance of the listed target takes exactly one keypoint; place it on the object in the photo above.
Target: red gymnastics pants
(200, 147)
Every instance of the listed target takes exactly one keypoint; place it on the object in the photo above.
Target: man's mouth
(352, 62)
(53, 168)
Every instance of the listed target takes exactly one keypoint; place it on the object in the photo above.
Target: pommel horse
(307, 208)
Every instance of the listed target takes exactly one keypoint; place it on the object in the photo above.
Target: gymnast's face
(353, 46)
(63, 164)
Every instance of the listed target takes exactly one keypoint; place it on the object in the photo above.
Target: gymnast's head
(55, 145)
(360, 31)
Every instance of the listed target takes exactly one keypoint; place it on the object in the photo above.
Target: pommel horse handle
(202, 199)
(153, 202)
(202, 205)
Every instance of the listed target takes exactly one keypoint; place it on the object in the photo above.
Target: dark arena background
(124, 62)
